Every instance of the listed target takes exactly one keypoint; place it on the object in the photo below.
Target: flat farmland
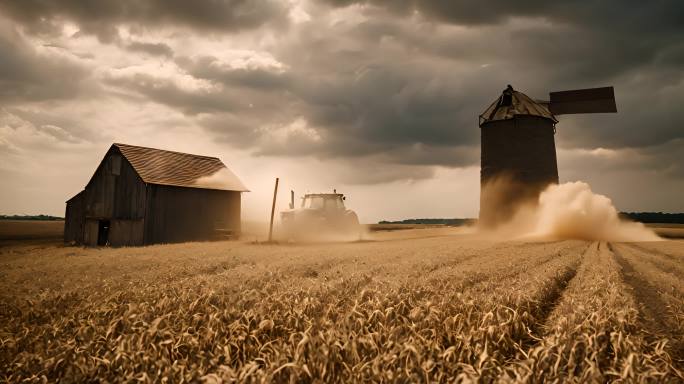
(415, 305)
(23, 231)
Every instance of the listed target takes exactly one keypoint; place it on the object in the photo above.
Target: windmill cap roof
(158, 166)
(513, 103)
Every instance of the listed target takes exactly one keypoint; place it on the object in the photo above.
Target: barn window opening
(103, 232)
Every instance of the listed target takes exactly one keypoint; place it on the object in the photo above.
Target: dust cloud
(570, 211)
(222, 179)
(312, 233)
(304, 233)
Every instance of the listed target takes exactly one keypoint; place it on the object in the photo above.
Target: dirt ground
(413, 304)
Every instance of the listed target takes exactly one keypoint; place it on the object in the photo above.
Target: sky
(378, 99)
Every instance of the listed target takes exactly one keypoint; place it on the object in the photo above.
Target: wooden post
(270, 228)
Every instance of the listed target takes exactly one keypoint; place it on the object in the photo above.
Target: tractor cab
(323, 201)
(320, 213)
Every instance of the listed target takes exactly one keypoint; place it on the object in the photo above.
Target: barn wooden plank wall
(139, 213)
(176, 214)
(74, 219)
(115, 193)
(520, 156)
(126, 232)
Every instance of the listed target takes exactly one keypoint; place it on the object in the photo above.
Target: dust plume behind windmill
(518, 150)
(520, 195)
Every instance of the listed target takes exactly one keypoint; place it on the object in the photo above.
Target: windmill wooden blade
(592, 100)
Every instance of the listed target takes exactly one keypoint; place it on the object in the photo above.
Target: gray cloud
(210, 68)
(479, 12)
(165, 91)
(28, 75)
(409, 115)
(400, 85)
(73, 127)
(368, 92)
(102, 18)
(155, 49)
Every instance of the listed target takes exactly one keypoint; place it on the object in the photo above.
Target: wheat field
(424, 305)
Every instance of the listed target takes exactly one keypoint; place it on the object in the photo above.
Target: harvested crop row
(394, 271)
(304, 265)
(594, 335)
(668, 273)
(660, 294)
(506, 258)
(95, 274)
(270, 327)
(92, 269)
(672, 249)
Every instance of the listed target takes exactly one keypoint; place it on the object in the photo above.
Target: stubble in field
(436, 307)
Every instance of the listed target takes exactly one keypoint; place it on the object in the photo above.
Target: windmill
(518, 151)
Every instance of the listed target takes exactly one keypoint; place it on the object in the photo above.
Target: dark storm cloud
(247, 93)
(29, 75)
(479, 12)
(73, 125)
(166, 91)
(636, 46)
(375, 171)
(390, 106)
(403, 84)
(155, 49)
(586, 38)
(583, 40)
(211, 68)
(648, 115)
(385, 86)
(411, 116)
(101, 17)
(664, 161)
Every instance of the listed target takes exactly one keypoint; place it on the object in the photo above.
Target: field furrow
(661, 261)
(673, 249)
(594, 334)
(431, 309)
(369, 313)
(660, 297)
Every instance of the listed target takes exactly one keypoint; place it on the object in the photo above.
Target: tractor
(321, 216)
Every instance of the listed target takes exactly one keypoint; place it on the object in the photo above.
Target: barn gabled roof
(512, 103)
(158, 166)
(76, 196)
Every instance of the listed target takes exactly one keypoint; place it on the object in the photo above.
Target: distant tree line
(451, 222)
(31, 217)
(643, 217)
(654, 217)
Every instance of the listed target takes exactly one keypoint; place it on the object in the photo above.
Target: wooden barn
(141, 196)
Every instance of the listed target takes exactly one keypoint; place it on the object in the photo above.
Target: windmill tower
(518, 151)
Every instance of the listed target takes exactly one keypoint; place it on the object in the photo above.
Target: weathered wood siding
(115, 193)
(521, 150)
(74, 220)
(177, 214)
(90, 232)
(126, 232)
(138, 213)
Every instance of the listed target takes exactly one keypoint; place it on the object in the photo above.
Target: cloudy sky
(378, 99)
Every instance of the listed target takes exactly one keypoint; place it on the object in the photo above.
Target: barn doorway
(103, 232)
